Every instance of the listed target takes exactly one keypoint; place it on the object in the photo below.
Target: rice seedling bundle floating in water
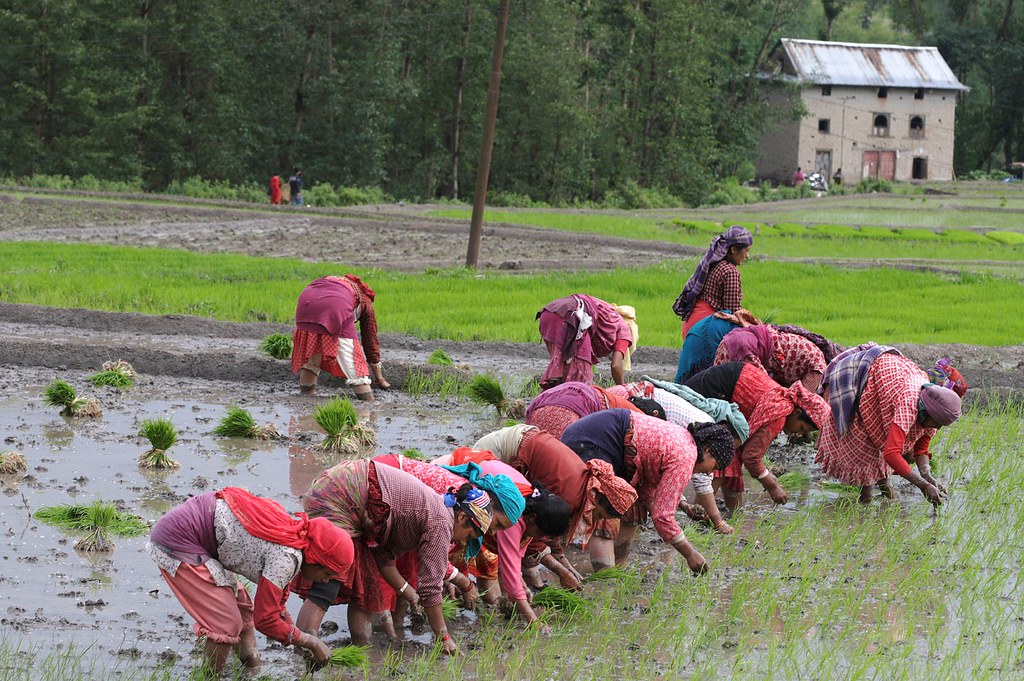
(561, 599)
(487, 390)
(277, 345)
(345, 433)
(440, 358)
(11, 462)
(161, 435)
(794, 479)
(99, 520)
(349, 656)
(62, 394)
(240, 423)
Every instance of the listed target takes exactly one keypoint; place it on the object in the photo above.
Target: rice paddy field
(822, 587)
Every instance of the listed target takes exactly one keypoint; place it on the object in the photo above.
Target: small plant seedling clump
(414, 453)
(62, 394)
(794, 479)
(345, 434)
(240, 423)
(449, 608)
(487, 390)
(277, 345)
(162, 436)
(561, 599)
(119, 374)
(440, 358)
(11, 462)
(99, 520)
(349, 656)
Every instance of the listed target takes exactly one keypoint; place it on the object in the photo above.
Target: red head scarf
(781, 402)
(601, 478)
(365, 290)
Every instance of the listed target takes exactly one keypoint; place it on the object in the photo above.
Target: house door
(870, 164)
(887, 165)
(920, 170)
(823, 163)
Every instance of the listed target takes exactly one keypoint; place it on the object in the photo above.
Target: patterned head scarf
(601, 478)
(780, 402)
(942, 404)
(477, 507)
(944, 375)
(719, 248)
(628, 314)
(501, 486)
(717, 438)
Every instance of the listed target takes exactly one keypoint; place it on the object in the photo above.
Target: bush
(871, 185)
(199, 188)
(502, 199)
(85, 183)
(754, 228)
(324, 194)
(631, 196)
(730, 193)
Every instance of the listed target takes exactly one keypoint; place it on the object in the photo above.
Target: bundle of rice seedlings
(121, 366)
(240, 423)
(839, 487)
(349, 656)
(440, 357)
(449, 608)
(487, 390)
(414, 453)
(339, 420)
(614, 572)
(557, 598)
(794, 479)
(277, 345)
(62, 394)
(161, 435)
(99, 520)
(115, 378)
(11, 462)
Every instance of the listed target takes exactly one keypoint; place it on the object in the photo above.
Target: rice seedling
(794, 479)
(449, 608)
(62, 394)
(121, 366)
(119, 374)
(563, 600)
(349, 656)
(98, 520)
(484, 389)
(277, 345)
(414, 453)
(839, 487)
(11, 462)
(440, 358)
(161, 435)
(345, 433)
(240, 423)
(444, 383)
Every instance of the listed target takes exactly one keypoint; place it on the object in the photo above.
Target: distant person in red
(275, 191)
(798, 177)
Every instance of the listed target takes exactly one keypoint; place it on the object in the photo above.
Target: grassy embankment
(829, 590)
(850, 306)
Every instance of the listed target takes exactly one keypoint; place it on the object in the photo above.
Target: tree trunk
(460, 82)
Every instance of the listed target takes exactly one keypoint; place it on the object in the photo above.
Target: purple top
(561, 325)
(328, 306)
(187, 530)
(750, 341)
(577, 397)
(601, 435)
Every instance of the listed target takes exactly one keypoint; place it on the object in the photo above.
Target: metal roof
(826, 63)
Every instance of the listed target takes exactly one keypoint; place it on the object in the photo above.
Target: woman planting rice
(883, 408)
(591, 488)
(716, 283)
(658, 458)
(770, 409)
(388, 512)
(201, 543)
(786, 357)
(702, 340)
(578, 330)
(557, 407)
(325, 335)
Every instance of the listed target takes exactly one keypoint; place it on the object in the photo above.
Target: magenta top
(577, 397)
(187, 530)
(328, 306)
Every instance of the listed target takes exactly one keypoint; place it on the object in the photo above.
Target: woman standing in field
(557, 407)
(591, 488)
(200, 544)
(325, 335)
(578, 330)
(716, 283)
(388, 512)
(786, 357)
(770, 409)
(658, 458)
(883, 408)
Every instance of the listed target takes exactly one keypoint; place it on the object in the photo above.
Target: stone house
(884, 111)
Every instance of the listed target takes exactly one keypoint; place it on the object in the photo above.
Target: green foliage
(277, 345)
(697, 226)
(449, 608)
(414, 453)
(61, 394)
(631, 196)
(345, 433)
(562, 600)
(444, 383)
(200, 188)
(789, 229)
(115, 378)
(1007, 238)
(835, 231)
(870, 185)
(237, 423)
(794, 479)
(963, 236)
(917, 234)
(350, 656)
(325, 195)
(440, 358)
(98, 514)
(161, 433)
(730, 193)
(487, 390)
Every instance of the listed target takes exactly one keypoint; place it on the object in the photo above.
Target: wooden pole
(483, 171)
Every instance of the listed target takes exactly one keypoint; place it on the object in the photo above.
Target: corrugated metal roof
(825, 63)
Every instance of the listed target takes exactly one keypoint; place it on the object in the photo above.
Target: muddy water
(116, 603)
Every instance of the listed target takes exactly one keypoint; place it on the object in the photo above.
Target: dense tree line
(596, 96)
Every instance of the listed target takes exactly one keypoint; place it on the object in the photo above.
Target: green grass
(115, 378)
(349, 656)
(892, 306)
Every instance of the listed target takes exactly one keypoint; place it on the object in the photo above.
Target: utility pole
(483, 171)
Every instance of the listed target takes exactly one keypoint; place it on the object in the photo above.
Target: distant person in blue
(295, 185)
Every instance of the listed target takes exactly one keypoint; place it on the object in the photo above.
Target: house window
(823, 125)
(917, 127)
(919, 93)
(881, 125)
(826, 90)
(883, 92)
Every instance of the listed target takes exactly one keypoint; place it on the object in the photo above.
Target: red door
(887, 165)
(870, 164)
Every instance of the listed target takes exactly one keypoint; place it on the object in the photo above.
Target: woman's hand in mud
(537, 624)
(697, 564)
(411, 596)
(722, 527)
(932, 494)
(938, 485)
(317, 648)
(470, 596)
(776, 491)
(694, 511)
(449, 647)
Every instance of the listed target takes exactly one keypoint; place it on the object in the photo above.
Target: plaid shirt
(723, 289)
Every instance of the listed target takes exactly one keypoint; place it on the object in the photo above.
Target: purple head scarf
(734, 236)
(750, 341)
(942, 404)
